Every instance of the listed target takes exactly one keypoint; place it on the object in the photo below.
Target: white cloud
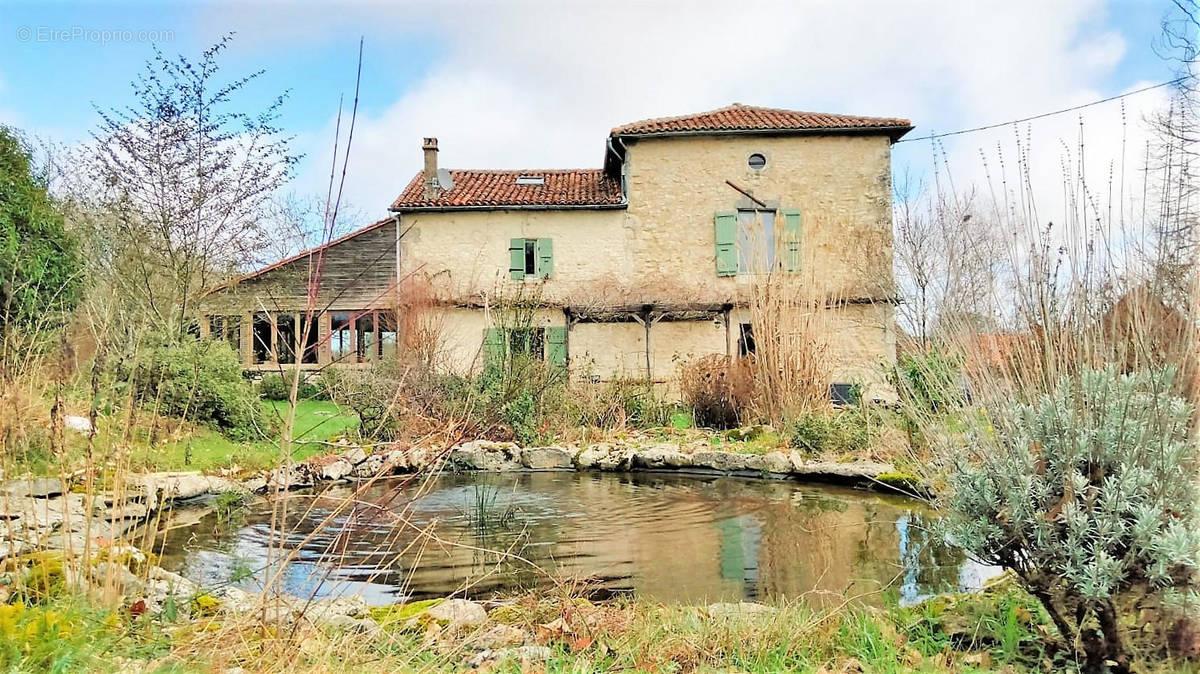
(538, 85)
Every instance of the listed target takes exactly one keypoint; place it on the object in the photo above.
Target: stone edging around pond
(38, 514)
(498, 457)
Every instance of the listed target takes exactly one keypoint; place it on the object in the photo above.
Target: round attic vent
(757, 161)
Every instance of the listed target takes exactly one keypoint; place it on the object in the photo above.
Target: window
(746, 345)
(339, 337)
(549, 344)
(387, 333)
(309, 335)
(530, 258)
(756, 241)
(261, 347)
(364, 340)
(757, 161)
(845, 395)
(228, 328)
(285, 338)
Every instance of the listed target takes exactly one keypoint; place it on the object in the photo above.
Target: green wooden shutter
(791, 239)
(516, 258)
(726, 233)
(556, 345)
(493, 346)
(545, 258)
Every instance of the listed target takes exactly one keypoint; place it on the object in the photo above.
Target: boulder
(160, 488)
(38, 487)
(335, 470)
(590, 457)
(844, 471)
(723, 461)
(523, 653)
(618, 458)
(458, 613)
(546, 458)
(771, 462)
(486, 455)
(499, 636)
(355, 456)
(77, 423)
(660, 457)
(369, 467)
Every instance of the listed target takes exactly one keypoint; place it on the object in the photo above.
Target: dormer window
(526, 179)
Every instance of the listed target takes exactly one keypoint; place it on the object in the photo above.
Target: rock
(369, 467)
(486, 455)
(160, 488)
(724, 461)
(351, 605)
(116, 576)
(528, 653)
(771, 462)
(335, 470)
(725, 609)
(37, 487)
(459, 613)
(660, 457)
(499, 636)
(345, 623)
(285, 478)
(355, 456)
(395, 461)
(255, 485)
(618, 458)
(77, 423)
(847, 471)
(590, 457)
(545, 458)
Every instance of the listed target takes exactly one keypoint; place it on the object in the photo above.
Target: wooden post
(247, 340)
(274, 355)
(353, 337)
(323, 348)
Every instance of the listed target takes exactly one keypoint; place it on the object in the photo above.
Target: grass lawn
(201, 448)
(206, 449)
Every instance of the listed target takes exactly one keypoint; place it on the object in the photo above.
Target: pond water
(671, 538)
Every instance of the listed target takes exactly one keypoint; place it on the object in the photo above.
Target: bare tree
(1174, 157)
(183, 175)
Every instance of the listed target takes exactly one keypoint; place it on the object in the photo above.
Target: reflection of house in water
(740, 539)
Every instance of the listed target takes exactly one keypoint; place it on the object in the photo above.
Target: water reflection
(667, 537)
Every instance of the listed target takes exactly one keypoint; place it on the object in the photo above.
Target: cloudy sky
(539, 84)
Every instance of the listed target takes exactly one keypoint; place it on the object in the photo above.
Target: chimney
(432, 189)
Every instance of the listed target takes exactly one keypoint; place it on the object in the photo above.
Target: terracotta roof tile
(738, 117)
(568, 187)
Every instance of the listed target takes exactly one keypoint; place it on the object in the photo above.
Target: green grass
(207, 449)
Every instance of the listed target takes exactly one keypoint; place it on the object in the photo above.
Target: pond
(666, 537)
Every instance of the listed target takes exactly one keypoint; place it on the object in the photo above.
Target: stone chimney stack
(432, 189)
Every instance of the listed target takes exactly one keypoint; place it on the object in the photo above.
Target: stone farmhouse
(634, 268)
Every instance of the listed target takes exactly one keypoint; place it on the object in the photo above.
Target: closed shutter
(516, 258)
(545, 258)
(493, 347)
(791, 239)
(556, 346)
(726, 236)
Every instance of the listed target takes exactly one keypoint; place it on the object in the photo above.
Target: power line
(1048, 114)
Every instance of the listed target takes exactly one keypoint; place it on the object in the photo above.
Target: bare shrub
(719, 390)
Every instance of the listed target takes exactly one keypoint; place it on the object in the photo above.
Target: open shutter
(791, 239)
(516, 258)
(726, 233)
(545, 258)
(556, 346)
(493, 347)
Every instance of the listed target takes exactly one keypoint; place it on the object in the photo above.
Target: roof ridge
(738, 116)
